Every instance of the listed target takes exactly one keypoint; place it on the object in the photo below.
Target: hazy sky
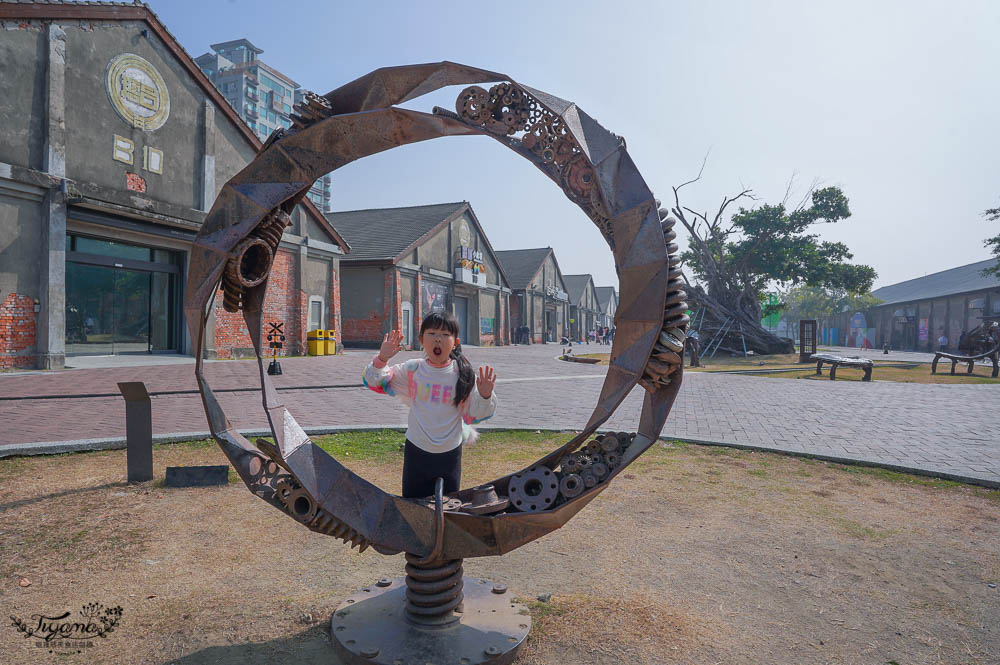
(895, 102)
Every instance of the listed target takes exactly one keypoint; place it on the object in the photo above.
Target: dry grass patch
(693, 555)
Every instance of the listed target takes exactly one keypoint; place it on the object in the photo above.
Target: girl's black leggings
(421, 468)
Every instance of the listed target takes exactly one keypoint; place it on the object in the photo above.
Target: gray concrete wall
(93, 121)
(24, 53)
(20, 245)
(317, 279)
(488, 310)
(434, 252)
(492, 273)
(408, 285)
(361, 291)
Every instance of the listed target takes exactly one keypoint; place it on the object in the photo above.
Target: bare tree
(737, 256)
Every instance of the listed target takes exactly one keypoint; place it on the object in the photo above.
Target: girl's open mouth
(437, 350)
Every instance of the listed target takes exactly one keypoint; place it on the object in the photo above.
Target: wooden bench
(837, 361)
(954, 358)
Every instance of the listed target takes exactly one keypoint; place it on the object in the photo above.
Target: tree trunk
(733, 325)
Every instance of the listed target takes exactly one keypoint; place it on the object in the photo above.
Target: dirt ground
(696, 555)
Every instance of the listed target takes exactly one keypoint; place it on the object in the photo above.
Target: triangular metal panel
(656, 406)
(269, 194)
(391, 526)
(217, 421)
(648, 245)
(623, 185)
(626, 227)
(553, 103)
(647, 305)
(230, 219)
(572, 119)
(450, 73)
(600, 142)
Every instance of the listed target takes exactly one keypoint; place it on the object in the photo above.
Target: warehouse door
(462, 314)
(120, 298)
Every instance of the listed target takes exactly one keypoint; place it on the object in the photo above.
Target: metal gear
(571, 485)
(535, 489)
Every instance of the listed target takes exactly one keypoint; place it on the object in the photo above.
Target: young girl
(445, 399)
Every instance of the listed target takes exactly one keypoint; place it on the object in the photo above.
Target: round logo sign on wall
(137, 92)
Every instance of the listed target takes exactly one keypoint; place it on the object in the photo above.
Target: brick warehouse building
(409, 261)
(539, 300)
(113, 147)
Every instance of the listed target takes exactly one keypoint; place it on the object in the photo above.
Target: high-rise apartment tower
(262, 95)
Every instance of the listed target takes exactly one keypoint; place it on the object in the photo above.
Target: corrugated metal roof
(521, 265)
(945, 283)
(385, 233)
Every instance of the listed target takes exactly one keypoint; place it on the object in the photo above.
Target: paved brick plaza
(947, 429)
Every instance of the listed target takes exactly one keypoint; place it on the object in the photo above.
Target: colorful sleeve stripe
(384, 385)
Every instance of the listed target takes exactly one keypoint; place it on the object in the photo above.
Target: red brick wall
(503, 331)
(334, 323)
(368, 329)
(515, 310)
(17, 331)
(418, 306)
(283, 302)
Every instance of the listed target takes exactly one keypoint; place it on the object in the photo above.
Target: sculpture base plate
(372, 627)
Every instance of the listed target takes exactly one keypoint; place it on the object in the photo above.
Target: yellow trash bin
(331, 342)
(316, 342)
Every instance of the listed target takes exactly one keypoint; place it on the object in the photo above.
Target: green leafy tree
(993, 214)
(816, 302)
(737, 256)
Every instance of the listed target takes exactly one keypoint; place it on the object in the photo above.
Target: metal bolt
(369, 652)
(492, 651)
(499, 588)
(385, 581)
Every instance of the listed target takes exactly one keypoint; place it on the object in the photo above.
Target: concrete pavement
(946, 430)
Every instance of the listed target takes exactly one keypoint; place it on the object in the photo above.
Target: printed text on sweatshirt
(435, 423)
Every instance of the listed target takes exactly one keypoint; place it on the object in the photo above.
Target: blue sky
(895, 102)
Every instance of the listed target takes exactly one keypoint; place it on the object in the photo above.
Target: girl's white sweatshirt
(435, 423)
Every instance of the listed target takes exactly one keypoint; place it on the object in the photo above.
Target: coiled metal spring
(433, 591)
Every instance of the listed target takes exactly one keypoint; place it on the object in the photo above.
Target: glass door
(121, 300)
(132, 311)
(90, 309)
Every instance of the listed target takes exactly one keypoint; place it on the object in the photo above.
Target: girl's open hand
(392, 344)
(487, 379)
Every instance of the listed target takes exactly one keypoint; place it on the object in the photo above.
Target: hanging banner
(433, 297)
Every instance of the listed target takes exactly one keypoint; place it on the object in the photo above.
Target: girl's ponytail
(466, 377)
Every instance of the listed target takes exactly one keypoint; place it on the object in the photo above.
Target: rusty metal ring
(365, 117)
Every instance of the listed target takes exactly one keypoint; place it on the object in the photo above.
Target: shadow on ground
(310, 647)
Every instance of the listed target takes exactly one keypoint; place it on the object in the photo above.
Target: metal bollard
(138, 431)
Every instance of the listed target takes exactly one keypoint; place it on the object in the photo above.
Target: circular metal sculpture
(432, 605)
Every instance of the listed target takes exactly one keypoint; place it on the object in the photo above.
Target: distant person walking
(692, 345)
(942, 342)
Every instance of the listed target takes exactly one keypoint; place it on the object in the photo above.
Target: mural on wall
(433, 297)
(923, 333)
(486, 326)
(859, 335)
